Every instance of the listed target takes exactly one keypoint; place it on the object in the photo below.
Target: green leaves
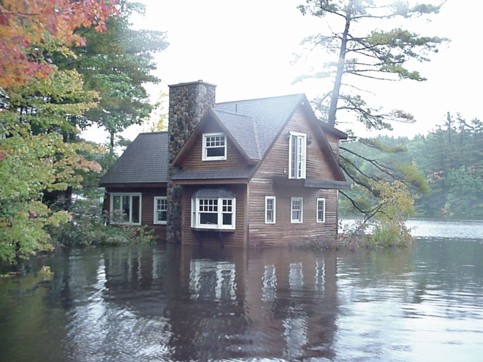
(31, 166)
(42, 111)
(117, 64)
(362, 54)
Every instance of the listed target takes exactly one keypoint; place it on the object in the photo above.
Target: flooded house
(257, 172)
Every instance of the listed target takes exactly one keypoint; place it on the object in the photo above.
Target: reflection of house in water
(212, 280)
(292, 302)
(189, 303)
(278, 303)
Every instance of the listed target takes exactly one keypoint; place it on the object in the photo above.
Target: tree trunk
(340, 71)
(112, 136)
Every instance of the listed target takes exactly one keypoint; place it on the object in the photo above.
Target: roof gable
(267, 116)
(320, 129)
(252, 126)
(145, 160)
(212, 120)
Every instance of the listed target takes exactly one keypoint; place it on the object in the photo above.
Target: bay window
(213, 213)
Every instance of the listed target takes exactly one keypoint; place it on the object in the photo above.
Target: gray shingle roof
(145, 160)
(243, 130)
(253, 124)
(267, 116)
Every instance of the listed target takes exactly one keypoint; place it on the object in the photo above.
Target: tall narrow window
(297, 155)
(160, 210)
(297, 210)
(125, 208)
(214, 147)
(320, 210)
(270, 210)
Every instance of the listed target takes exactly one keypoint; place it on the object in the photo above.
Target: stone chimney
(188, 102)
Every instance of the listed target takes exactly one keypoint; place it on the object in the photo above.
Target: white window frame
(206, 147)
(299, 220)
(297, 155)
(320, 201)
(220, 211)
(273, 210)
(156, 220)
(112, 212)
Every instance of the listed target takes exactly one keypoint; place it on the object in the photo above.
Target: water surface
(164, 303)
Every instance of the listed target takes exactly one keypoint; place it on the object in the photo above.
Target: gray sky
(247, 49)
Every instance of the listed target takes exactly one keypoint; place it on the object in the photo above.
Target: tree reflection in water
(173, 303)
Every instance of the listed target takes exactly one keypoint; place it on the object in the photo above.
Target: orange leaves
(29, 30)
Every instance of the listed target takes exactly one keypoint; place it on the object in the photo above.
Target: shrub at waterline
(88, 227)
(388, 228)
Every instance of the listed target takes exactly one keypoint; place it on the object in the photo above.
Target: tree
(40, 109)
(117, 64)
(450, 158)
(37, 162)
(367, 54)
(31, 30)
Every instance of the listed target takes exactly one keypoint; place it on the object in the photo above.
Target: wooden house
(253, 172)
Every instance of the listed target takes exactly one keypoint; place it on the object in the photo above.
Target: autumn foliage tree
(37, 105)
(31, 30)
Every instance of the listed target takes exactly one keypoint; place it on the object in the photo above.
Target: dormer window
(214, 147)
(297, 155)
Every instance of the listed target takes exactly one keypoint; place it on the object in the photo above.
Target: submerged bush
(379, 234)
(88, 227)
(390, 233)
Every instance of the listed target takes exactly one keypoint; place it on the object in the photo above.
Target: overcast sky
(247, 49)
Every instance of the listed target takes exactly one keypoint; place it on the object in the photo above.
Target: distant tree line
(450, 158)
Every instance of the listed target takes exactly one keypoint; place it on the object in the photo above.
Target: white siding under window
(297, 210)
(270, 210)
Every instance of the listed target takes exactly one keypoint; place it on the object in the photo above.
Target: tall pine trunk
(340, 71)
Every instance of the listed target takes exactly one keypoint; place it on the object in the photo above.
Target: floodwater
(167, 303)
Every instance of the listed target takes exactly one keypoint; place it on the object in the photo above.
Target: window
(297, 206)
(125, 208)
(270, 207)
(160, 210)
(297, 155)
(214, 147)
(213, 213)
(320, 210)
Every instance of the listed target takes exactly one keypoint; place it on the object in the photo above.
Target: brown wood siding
(237, 238)
(283, 232)
(276, 162)
(333, 142)
(147, 205)
(261, 185)
(193, 160)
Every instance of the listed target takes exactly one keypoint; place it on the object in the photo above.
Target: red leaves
(25, 25)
